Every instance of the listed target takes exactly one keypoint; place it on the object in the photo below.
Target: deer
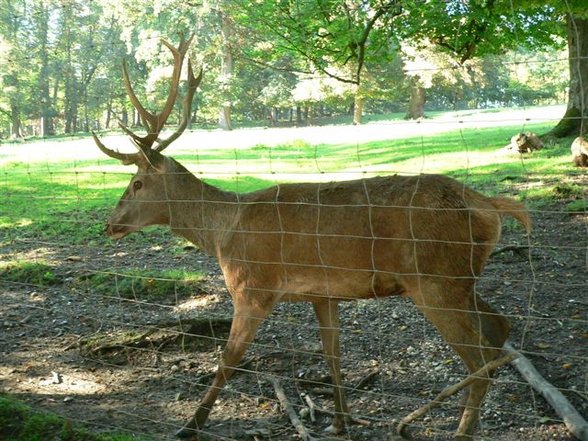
(426, 237)
(579, 150)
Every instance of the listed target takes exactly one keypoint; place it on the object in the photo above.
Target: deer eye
(137, 185)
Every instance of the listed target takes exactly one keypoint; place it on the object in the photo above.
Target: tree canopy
(284, 61)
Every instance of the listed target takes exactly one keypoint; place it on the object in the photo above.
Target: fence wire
(126, 336)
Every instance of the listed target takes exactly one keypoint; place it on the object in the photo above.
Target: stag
(426, 237)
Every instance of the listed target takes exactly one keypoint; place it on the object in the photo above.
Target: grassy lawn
(64, 200)
(70, 200)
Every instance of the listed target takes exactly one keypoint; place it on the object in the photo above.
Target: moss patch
(33, 273)
(19, 422)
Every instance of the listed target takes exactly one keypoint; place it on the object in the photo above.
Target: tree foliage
(283, 59)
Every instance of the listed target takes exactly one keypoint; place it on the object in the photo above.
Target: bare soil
(55, 354)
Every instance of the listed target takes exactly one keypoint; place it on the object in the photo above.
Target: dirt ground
(393, 361)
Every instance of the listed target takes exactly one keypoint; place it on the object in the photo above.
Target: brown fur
(426, 237)
(580, 152)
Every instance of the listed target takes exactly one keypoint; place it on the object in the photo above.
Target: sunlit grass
(152, 285)
(70, 200)
(35, 273)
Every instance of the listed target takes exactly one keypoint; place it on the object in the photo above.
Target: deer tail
(513, 208)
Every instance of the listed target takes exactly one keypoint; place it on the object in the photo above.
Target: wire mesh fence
(126, 335)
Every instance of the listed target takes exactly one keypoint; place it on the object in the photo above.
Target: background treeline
(278, 62)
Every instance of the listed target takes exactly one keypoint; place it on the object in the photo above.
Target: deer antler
(126, 158)
(154, 122)
(193, 83)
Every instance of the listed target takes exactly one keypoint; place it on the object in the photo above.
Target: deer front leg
(243, 328)
(327, 312)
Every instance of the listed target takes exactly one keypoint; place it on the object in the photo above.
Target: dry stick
(304, 435)
(311, 407)
(131, 342)
(314, 408)
(451, 390)
(365, 380)
(519, 249)
(574, 422)
(195, 321)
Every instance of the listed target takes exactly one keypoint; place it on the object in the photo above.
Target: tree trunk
(86, 112)
(357, 104)
(357, 109)
(224, 118)
(309, 115)
(16, 124)
(46, 125)
(124, 117)
(137, 119)
(83, 92)
(71, 103)
(575, 119)
(298, 115)
(416, 105)
(108, 114)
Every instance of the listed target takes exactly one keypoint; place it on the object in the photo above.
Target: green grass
(38, 204)
(34, 273)
(70, 201)
(577, 206)
(142, 284)
(19, 422)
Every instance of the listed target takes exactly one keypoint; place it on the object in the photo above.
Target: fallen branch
(317, 409)
(365, 380)
(311, 407)
(574, 422)
(518, 249)
(112, 343)
(452, 390)
(202, 324)
(193, 327)
(289, 409)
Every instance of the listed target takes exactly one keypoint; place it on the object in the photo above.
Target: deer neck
(199, 212)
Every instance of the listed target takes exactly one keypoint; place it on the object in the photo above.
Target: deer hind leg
(473, 330)
(243, 329)
(327, 313)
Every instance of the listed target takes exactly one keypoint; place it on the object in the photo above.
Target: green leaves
(61, 61)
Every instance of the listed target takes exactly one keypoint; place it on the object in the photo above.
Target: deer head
(145, 200)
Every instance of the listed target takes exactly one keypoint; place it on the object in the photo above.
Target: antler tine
(154, 122)
(143, 143)
(145, 115)
(148, 119)
(126, 158)
(193, 83)
(178, 53)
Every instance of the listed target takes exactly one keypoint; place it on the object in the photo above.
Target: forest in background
(282, 62)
